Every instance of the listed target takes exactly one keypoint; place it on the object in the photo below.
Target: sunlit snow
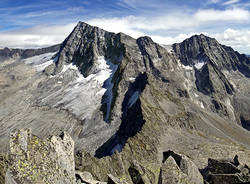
(70, 90)
(133, 99)
(84, 95)
(199, 65)
(40, 62)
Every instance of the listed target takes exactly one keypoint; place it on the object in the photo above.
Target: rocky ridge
(35, 160)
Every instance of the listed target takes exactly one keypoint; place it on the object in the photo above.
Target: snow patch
(182, 66)
(83, 95)
(133, 99)
(230, 107)
(117, 147)
(187, 67)
(131, 79)
(202, 105)
(40, 62)
(69, 66)
(199, 65)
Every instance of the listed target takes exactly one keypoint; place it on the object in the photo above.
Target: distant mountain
(132, 105)
(6, 53)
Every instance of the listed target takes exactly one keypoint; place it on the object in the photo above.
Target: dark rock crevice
(132, 118)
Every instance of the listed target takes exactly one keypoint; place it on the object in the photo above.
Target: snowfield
(81, 96)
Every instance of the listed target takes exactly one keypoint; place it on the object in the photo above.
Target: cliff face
(124, 100)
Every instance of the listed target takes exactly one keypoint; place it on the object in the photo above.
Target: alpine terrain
(107, 108)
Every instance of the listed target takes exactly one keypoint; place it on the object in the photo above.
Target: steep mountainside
(127, 100)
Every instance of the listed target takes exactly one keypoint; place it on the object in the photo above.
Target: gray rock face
(33, 160)
(215, 67)
(200, 48)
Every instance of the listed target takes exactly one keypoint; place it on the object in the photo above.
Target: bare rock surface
(33, 160)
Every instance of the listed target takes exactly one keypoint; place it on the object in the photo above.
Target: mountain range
(132, 107)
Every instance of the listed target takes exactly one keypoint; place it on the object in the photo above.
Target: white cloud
(213, 1)
(117, 25)
(238, 39)
(39, 36)
(229, 2)
(235, 14)
(178, 20)
(168, 40)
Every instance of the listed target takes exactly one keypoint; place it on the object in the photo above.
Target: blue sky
(38, 23)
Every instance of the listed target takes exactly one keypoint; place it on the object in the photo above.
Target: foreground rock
(33, 160)
(171, 173)
(178, 168)
(228, 171)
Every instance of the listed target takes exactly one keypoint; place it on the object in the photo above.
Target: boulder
(226, 171)
(171, 173)
(222, 167)
(226, 179)
(186, 166)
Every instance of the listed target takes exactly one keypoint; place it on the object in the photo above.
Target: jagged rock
(114, 180)
(226, 171)
(35, 160)
(222, 167)
(138, 174)
(86, 177)
(186, 166)
(226, 179)
(171, 173)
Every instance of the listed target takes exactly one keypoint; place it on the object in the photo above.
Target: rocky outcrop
(87, 178)
(183, 169)
(114, 180)
(33, 160)
(171, 173)
(227, 171)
